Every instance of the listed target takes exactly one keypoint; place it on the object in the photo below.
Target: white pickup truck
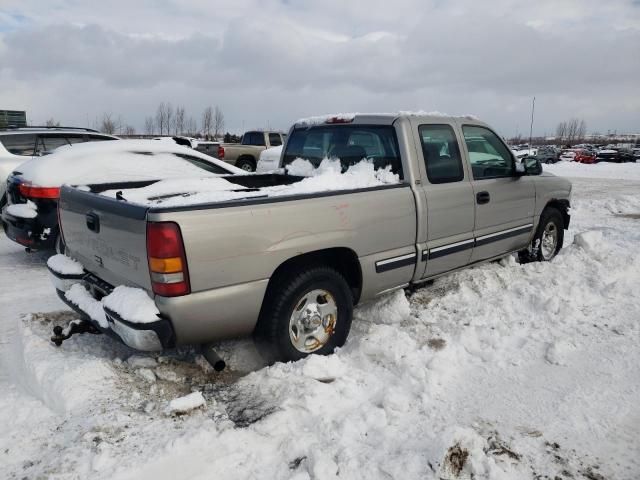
(285, 257)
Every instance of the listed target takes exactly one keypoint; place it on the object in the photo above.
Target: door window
(275, 140)
(489, 157)
(441, 153)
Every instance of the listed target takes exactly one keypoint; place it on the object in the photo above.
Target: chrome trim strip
(502, 232)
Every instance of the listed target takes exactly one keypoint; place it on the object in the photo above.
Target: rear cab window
(254, 138)
(348, 143)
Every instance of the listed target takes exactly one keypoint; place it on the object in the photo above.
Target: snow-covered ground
(503, 371)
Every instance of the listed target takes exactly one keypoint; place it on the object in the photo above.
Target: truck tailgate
(106, 235)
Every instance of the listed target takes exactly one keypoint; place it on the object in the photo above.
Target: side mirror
(532, 166)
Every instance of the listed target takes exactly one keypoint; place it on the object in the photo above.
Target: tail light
(220, 152)
(167, 260)
(29, 191)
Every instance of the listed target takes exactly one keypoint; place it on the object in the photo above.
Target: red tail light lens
(29, 191)
(220, 152)
(167, 260)
(333, 120)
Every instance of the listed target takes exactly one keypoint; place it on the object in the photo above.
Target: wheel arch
(342, 259)
(562, 205)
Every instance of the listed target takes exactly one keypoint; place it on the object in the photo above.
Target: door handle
(482, 198)
(93, 222)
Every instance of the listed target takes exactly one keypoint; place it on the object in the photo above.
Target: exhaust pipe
(213, 358)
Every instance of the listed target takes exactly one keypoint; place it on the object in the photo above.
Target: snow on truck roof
(350, 117)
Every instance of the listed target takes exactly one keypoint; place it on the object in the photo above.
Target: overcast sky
(268, 62)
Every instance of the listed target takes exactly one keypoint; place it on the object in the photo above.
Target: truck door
(449, 198)
(504, 201)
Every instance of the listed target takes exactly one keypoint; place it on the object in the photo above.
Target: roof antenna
(533, 108)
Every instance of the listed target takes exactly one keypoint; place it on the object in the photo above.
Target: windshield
(349, 143)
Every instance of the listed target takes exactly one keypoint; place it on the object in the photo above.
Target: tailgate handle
(93, 222)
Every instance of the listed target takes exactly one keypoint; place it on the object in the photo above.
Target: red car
(584, 156)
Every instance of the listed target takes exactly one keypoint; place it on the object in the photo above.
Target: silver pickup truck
(289, 269)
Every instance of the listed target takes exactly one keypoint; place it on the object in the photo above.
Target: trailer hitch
(74, 327)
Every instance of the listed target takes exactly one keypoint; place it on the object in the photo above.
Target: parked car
(29, 215)
(568, 155)
(245, 154)
(285, 257)
(17, 145)
(584, 156)
(269, 159)
(614, 155)
(636, 154)
(547, 155)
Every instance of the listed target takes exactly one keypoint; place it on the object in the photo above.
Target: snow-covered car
(29, 216)
(568, 155)
(19, 144)
(269, 159)
(528, 152)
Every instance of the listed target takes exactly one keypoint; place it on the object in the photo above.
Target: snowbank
(622, 171)
(23, 210)
(328, 176)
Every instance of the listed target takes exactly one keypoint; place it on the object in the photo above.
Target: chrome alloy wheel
(549, 241)
(313, 321)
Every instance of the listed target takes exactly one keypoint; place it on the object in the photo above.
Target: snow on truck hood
(328, 176)
(121, 161)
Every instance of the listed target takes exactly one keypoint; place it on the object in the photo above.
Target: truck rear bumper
(150, 336)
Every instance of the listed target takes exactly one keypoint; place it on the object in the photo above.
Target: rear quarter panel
(234, 245)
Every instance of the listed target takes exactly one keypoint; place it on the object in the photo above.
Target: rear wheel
(309, 312)
(548, 238)
(246, 164)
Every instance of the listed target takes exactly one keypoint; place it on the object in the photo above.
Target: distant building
(13, 118)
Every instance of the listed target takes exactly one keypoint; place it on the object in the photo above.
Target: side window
(203, 164)
(76, 138)
(489, 157)
(441, 153)
(19, 144)
(48, 143)
(275, 140)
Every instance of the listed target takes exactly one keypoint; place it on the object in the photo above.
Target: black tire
(273, 330)
(535, 251)
(247, 164)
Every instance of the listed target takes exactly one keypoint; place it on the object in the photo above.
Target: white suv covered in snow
(17, 145)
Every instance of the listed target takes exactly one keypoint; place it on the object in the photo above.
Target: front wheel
(309, 313)
(547, 240)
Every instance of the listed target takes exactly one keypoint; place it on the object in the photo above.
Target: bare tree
(582, 130)
(129, 131)
(561, 131)
(108, 125)
(207, 122)
(218, 123)
(171, 119)
(179, 120)
(191, 127)
(52, 123)
(149, 126)
(161, 117)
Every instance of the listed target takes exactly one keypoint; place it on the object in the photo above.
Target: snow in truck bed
(327, 177)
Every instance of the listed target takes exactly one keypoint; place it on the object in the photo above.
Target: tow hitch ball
(75, 326)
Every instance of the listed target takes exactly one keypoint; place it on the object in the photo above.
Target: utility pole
(533, 108)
